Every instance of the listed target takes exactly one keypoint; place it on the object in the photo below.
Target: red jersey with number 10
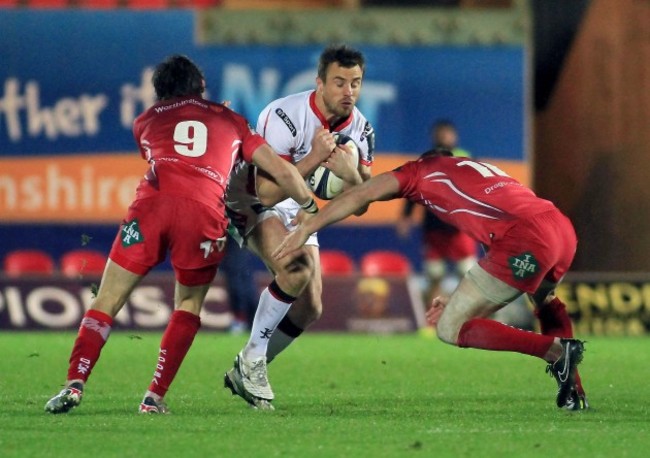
(192, 144)
(476, 197)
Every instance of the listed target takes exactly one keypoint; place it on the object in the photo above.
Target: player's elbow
(361, 211)
(268, 192)
(362, 198)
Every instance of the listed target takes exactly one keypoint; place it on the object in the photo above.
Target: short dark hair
(344, 55)
(177, 76)
(435, 152)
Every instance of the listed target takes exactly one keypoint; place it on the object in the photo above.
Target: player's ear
(319, 84)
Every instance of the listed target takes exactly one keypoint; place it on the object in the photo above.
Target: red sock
(554, 321)
(93, 333)
(492, 335)
(175, 344)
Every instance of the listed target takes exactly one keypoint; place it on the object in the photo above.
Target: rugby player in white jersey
(300, 129)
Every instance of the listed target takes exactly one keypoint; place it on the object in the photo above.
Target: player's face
(340, 90)
(446, 137)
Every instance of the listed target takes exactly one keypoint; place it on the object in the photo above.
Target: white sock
(151, 394)
(273, 306)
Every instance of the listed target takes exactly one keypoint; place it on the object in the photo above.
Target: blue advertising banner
(73, 82)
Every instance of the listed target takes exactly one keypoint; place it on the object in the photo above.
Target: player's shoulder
(178, 106)
(292, 103)
(290, 110)
(358, 116)
(433, 163)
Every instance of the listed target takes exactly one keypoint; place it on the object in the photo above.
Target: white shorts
(245, 211)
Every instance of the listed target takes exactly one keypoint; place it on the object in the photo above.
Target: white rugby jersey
(288, 125)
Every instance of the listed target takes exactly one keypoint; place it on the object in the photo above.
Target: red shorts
(188, 229)
(450, 245)
(532, 250)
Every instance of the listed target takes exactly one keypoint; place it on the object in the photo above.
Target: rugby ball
(323, 182)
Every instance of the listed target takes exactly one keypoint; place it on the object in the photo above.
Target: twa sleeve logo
(523, 265)
(131, 233)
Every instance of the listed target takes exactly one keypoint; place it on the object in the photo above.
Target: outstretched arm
(342, 162)
(381, 187)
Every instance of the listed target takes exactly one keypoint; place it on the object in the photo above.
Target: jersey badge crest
(131, 233)
(523, 265)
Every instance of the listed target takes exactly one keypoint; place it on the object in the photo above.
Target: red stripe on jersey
(266, 122)
(364, 162)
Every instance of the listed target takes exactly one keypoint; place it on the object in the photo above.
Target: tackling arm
(381, 187)
(268, 185)
(285, 176)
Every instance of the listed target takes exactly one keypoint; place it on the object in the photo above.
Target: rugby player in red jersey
(191, 145)
(530, 243)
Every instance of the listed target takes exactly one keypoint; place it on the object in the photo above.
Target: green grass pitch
(336, 396)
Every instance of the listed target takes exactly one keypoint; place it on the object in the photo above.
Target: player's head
(340, 71)
(177, 76)
(444, 134)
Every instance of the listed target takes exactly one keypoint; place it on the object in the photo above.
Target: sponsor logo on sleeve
(131, 233)
(523, 265)
(283, 116)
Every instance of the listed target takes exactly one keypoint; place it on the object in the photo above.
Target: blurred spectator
(447, 252)
(240, 284)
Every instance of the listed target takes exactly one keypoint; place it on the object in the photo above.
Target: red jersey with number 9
(191, 145)
(476, 197)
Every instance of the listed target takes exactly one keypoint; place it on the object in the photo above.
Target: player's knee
(446, 334)
(294, 276)
(447, 330)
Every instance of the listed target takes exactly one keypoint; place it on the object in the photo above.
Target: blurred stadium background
(556, 93)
